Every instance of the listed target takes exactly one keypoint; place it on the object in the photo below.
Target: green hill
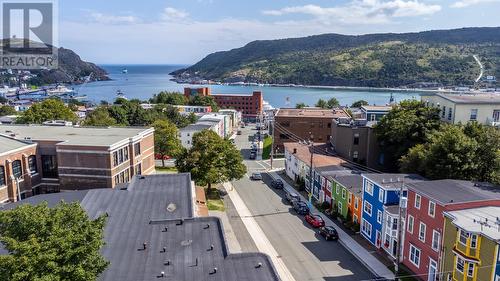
(375, 60)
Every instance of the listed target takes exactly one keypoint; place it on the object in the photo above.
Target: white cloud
(361, 11)
(467, 3)
(172, 14)
(111, 19)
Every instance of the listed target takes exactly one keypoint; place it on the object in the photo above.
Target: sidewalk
(363, 255)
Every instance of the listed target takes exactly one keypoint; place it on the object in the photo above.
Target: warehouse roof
(8, 145)
(456, 191)
(158, 210)
(72, 135)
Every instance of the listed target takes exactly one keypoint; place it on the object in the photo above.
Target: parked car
(239, 132)
(315, 220)
(291, 197)
(256, 177)
(329, 232)
(278, 184)
(300, 207)
(253, 156)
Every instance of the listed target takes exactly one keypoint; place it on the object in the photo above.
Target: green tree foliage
(100, 117)
(300, 105)
(212, 160)
(3, 100)
(7, 110)
(167, 142)
(332, 103)
(321, 103)
(49, 109)
(470, 152)
(172, 98)
(56, 244)
(403, 127)
(205, 101)
(359, 103)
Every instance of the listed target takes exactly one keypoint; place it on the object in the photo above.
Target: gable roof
(450, 191)
(141, 214)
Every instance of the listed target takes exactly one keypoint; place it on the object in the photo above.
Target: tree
(449, 154)
(332, 103)
(359, 103)
(205, 101)
(100, 117)
(7, 110)
(322, 103)
(192, 118)
(60, 243)
(300, 105)
(49, 109)
(171, 98)
(403, 127)
(119, 114)
(167, 142)
(212, 160)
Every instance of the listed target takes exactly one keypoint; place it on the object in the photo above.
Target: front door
(432, 270)
(377, 239)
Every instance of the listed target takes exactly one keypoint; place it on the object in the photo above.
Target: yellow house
(471, 245)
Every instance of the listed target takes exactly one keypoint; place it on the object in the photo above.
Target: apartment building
(72, 158)
(315, 124)
(427, 202)
(455, 108)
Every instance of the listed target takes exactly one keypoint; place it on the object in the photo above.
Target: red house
(427, 200)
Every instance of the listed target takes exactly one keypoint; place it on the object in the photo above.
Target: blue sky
(184, 31)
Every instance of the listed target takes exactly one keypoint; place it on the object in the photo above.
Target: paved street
(306, 255)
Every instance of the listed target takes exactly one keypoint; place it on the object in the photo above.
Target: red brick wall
(10, 191)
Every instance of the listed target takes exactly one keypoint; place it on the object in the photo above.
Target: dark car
(291, 197)
(253, 156)
(329, 232)
(278, 184)
(239, 133)
(300, 207)
(315, 220)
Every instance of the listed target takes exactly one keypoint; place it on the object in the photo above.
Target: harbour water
(142, 81)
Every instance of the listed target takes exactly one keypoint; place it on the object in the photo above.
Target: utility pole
(311, 143)
(271, 124)
(400, 225)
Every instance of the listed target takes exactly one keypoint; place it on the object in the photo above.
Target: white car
(256, 177)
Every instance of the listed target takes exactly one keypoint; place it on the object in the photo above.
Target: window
(349, 199)
(366, 227)
(115, 158)
(17, 169)
(432, 209)
(120, 156)
(394, 224)
(355, 219)
(355, 203)
(379, 216)
(137, 148)
(337, 189)
(32, 164)
(138, 169)
(369, 187)
(355, 156)
(421, 232)
(473, 241)
(436, 237)
(450, 113)
(473, 114)
(410, 223)
(49, 166)
(415, 255)
(2, 176)
(381, 195)
(340, 208)
(368, 208)
(443, 111)
(470, 271)
(418, 200)
(463, 237)
(356, 139)
(343, 193)
(460, 265)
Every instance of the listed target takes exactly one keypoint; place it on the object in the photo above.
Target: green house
(339, 197)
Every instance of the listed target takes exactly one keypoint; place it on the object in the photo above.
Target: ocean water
(143, 81)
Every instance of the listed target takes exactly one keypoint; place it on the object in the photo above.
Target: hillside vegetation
(377, 60)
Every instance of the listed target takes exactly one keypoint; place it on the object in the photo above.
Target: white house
(186, 133)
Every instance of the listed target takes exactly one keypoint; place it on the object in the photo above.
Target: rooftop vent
(171, 207)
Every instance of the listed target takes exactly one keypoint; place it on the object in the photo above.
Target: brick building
(251, 106)
(71, 158)
(314, 124)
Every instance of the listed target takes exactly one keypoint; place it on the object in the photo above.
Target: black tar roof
(354, 183)
(151, 211)
(455, 191)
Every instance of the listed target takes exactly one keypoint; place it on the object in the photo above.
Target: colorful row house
(424, 230)
(381, 192)
(347, 192)
(471, 244)
(322, 190)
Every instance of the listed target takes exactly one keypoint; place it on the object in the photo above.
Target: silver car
(256, 177)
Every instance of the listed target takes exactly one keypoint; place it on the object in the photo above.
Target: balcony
(465, 248)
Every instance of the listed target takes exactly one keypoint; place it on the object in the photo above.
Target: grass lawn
(214, 201)
(266, 150)
(165, 170)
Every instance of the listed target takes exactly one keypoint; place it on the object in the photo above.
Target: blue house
(374, 112)
(379, 191)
